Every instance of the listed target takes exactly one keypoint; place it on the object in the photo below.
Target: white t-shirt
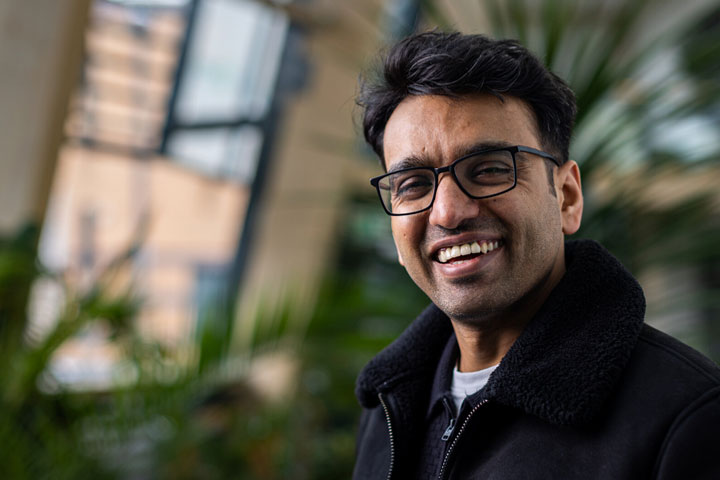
(467, 383)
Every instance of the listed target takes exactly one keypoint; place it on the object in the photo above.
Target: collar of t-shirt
(465, 384)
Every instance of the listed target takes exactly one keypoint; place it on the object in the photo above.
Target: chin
(470, 311)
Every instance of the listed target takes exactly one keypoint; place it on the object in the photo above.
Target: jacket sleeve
(692, 446)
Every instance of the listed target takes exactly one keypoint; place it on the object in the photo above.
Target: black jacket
(587, 391)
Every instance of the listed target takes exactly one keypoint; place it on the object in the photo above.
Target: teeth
(447, 254)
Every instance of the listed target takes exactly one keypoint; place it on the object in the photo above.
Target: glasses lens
(407, 191)
(487, 173)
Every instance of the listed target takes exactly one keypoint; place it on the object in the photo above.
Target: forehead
(438, 129)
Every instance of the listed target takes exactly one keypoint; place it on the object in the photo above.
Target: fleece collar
(561, 368)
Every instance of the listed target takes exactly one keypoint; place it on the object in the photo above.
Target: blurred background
(193, 266)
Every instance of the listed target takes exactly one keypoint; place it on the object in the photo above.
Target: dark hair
(452, 64)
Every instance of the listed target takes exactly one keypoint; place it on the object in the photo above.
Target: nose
(451, 206)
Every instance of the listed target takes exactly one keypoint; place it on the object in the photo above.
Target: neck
(483, 348)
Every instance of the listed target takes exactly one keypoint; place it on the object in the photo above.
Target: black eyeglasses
(483, 174)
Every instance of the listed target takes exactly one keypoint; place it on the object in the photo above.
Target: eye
(485, 169)
(490, 168)
(411, 184)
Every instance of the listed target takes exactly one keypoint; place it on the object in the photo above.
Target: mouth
(460, 253)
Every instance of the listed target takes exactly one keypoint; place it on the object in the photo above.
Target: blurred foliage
(203, 418)
(40, 433)
(362, 306)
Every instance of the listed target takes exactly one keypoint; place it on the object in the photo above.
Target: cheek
(404, 229)
(546, 222)
(530, 219)
(407, 235)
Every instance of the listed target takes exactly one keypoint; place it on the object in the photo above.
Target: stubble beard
(479, 302)
(469, 302)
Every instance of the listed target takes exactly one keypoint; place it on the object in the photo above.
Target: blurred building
(201, 136)
(113, 192)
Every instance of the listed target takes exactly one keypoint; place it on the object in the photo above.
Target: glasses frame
(375, 181)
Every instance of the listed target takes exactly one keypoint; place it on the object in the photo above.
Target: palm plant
(40, 430)
(174, 418)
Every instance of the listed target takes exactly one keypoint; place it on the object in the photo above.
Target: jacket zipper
(451, 426)
(448, 431)
(459, 433)
(390, 431)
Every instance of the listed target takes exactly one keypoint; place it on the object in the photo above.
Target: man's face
(526, 223)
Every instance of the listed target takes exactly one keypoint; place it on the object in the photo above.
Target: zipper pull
(448, 431)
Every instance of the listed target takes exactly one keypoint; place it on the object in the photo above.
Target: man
(533, 360)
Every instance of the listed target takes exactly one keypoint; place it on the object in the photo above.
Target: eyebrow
(482, 145)
(414, 161)
(410, 162)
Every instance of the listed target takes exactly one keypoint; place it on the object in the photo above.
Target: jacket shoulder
(673, 357)
(689, 448)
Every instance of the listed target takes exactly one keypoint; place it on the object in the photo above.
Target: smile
(457, 251)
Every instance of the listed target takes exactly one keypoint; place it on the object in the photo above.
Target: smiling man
(533, 360)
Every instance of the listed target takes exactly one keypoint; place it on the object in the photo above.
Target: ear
(570, 198)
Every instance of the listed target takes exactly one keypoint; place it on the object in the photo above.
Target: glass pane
(225, 152)
(232, 61)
